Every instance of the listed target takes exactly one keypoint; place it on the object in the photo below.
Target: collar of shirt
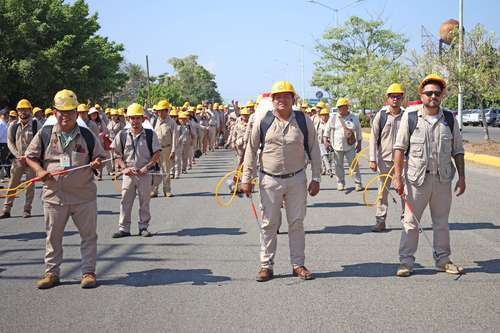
(424, 116)
(288, 121)
(65, 138)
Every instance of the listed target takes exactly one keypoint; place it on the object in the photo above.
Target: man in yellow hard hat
(321, 128)
(238, 139)
(431, 139)
(19, 136)
(343, 137)
(304, 106)
(384, 129)
(204, 118)
(66, 145)
(288, 141)
(166, 130)
(83, 114)
(12, 117)
(38, 115)
(213, 126)
(137, 151)
(48, 112)
(114, 127)
(186, 135)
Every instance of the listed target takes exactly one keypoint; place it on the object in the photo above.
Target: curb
(489, 160)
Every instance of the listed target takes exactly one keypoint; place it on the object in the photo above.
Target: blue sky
(243, 42)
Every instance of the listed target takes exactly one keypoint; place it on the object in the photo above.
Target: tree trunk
(485, 123)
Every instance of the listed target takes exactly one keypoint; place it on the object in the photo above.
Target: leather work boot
(88, 281)
(153, 195)
(264, 274)
(26, 214)
(145, 233)
(404, 270)
(47, 281)
(168, 194)
(121, 234)
(451, 268)
(302, 272)
(379, 227)
(358, 187)
(5, 215)
(340, 187)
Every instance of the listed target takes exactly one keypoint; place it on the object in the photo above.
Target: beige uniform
(71, 195)
(282, 179)
(24, 135)
(428, 181)
(382, 154)
(239, 137)
(186, 138)
(167, 133)
(192, 145)
(212, 129)
(135, 154)
(113, 129)
(341, 149)
(204, 128)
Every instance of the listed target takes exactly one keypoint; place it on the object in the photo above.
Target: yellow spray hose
(355, 161)
(218, 200)
(380, 191)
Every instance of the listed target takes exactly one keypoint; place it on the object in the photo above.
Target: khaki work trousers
(85, 218)
(212, 137)
(17, 171)
(338, 156)
(165, 165)
(438, 196)
(382, 204)
(140, 185)
(274, 192)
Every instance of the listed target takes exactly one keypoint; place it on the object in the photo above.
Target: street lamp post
(303, 93)
(335, 10)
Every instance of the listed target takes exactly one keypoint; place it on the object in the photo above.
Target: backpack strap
(34, 126)
(301, 121)
(264, 126)
(149, 140)
(382, 121)
(13, 133)
(123, 139)
(449, 120)
(45, 134)
(89, 138)
(412, 121)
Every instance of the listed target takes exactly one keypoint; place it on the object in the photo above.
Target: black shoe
(121, 234)
(5, 215)
(145, 233)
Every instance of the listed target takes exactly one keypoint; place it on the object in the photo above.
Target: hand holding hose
(247, 188)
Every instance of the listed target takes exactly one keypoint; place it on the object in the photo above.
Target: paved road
(197, 273)
(476, 134)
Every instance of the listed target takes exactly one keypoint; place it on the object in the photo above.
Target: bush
(364, 120)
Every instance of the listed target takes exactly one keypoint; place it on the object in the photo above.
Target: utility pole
(147, 73)
(303, 92)
(460, 56)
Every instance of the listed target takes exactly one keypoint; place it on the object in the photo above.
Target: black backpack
(46, 133)
(412, 120)
(382, 121)
(301, 121)
(149, 141)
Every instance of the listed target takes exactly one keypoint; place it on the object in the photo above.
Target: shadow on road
(27, 236)
(107, 212)
(334, 204)
(488, 266)
(372, 269)
(160, 277)
(204, 232)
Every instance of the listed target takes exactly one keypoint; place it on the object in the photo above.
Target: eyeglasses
(398, 97)
(430, 93)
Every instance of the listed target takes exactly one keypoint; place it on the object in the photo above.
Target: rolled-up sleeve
(314, 150)
(250, 159)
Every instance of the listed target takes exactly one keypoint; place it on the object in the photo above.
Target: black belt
(288, 175)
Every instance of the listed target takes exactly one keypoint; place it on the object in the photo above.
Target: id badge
(65, 161)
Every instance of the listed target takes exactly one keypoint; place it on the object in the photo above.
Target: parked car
(466, 117)
(474, 117)
(497, 121)
(491, 116)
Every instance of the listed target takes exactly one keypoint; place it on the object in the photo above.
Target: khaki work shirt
(336, 133)
(283, 151)
(387, 136)
(77, 186)
(167, 133)
(239, 137)
(93, 127)
(24, 135)
(135, 152)
(430, 147)
(114, 128)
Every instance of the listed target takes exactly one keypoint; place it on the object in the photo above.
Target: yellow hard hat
(97, 106)
(23, 104)
(191, 109)
(12, 113)
(215, 106)
(221, 107)
(184, 115)
(324, 112)
(82, 108)
(65, 100)
(250, 104)
(342, 102)
(107, 110)
(48, 112)
(121, 112)
(395, 88)
(282, 87)
(186, 104)
(113, 112)
(199, 107)
(36, 109)
(244, 112)
(173, 113)
(163, 105)
(304, 104)
(431, 77)
(320, 105)
(135, 109)
(307, 110)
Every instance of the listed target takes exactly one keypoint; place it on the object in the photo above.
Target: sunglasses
(430, 93)
(398, 97)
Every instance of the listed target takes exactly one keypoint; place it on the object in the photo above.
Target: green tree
(359, 59)
(48, 45)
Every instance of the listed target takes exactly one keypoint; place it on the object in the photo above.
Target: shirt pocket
(417, 147)
(79, 159)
